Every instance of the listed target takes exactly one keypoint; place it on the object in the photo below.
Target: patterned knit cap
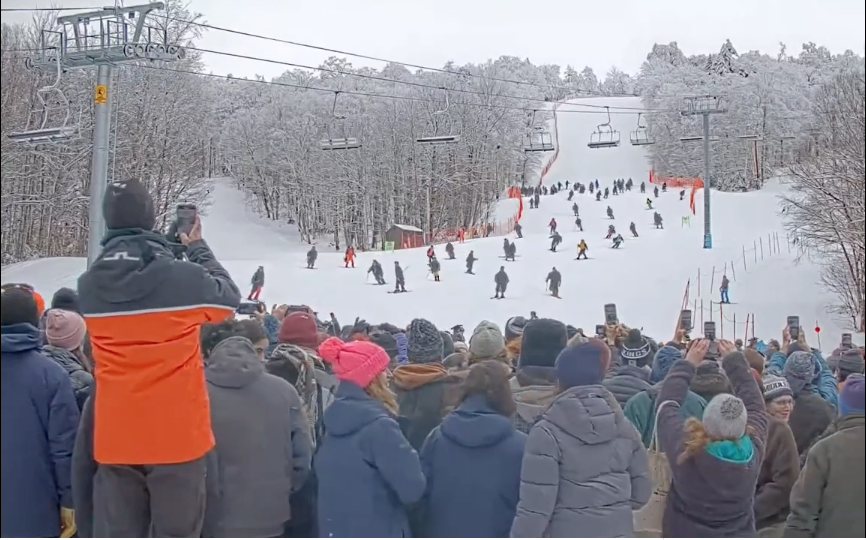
(725, 417)
(425, 342)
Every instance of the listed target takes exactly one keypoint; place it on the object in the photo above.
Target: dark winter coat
(312, 255)
(501, 278)
(626, 381)
(424, 396)
(263, 446)
(81, 379)
(367, 471)
(472, 463)
(398, 274)
(554, 278)
(778, 474)
(584, 470)
(809, 418)
(39, 423)
(259, 278)
(828, 499)
(84, 468)
(435, 266)
(641, 410)
(711, 496)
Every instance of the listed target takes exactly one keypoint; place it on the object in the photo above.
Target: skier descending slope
(470, 260)
(257, 283)
(610, 213)
(399, 279)
(511, 251)
(597, 196)
(575, 209)
(682, 194)
(633, 229)
(378, 273)
(656, 192)
(643, 187)
(552, 225)
(581, 249)
(430, 253)
(519, 230)
(435, 267)
(611, 231)
(617, 241)
(349, 257)
(505, 244)
(449, 250)
(556, 239)
(312, 255)
(649, 204)
(501, 280)
(657, 219)
(554, 279)
(578, 224)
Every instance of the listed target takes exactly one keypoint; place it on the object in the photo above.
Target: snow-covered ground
(646, 278)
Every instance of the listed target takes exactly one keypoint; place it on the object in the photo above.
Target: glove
(67, 523)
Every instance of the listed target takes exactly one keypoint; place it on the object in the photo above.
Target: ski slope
(646, 278)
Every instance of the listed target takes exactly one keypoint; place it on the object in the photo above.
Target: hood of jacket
(63, 357)
(590, 414)
(352, 410)
(710, 381)
(474, 424)
(233, 363)
(627, 370)
(126, 255)
(17, 338)
(411, 376)
(531, 401)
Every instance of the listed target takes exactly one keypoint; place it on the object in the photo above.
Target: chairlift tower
(102, 39)
(704, 106)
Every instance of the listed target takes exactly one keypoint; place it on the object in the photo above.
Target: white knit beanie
(725, 417)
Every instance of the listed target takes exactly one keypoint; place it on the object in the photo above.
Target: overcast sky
(577, 32)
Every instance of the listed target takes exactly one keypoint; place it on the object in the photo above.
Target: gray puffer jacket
(626, 381)
(81, 379)
(584, 470)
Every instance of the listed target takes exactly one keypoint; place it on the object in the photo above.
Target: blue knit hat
(664, 360)
(852, 399)
(582, 365)
(800, 370)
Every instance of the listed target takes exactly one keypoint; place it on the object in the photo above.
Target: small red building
(405, 236)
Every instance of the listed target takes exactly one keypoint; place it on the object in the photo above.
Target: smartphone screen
(710, 330)
(846, 340)
(686, 319)
(186, 214)
(610, 316)
(599, 330)
(794, 327)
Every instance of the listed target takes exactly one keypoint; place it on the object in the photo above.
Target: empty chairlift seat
(604, 136)
(640, 136)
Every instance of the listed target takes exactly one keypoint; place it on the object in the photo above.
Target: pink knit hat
(64, 329)
(358, 361)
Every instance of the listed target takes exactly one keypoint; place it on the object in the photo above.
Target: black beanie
(543, 340)
(636, 349)
(66, 298)
(128, 205)
(386, 341)
(18, 306)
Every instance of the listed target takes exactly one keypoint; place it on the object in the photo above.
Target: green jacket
(641, 409)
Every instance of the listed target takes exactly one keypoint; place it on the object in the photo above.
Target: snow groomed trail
(646, 278)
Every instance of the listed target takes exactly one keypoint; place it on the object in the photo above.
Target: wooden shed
(405, 236)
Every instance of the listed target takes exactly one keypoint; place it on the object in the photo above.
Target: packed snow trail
(646, 277)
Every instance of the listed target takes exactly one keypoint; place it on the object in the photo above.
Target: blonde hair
(512, 348)
(379, 390)
(696, 439)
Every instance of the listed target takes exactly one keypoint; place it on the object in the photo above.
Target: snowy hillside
(646, 278)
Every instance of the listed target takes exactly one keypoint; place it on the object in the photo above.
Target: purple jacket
(709, 496)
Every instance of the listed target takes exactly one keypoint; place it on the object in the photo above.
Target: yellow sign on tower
(100, 96)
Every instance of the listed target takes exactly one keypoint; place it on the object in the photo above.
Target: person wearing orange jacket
(349, 257)
(152, 426)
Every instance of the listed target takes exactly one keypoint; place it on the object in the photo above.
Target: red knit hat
(358, 362)
(299, 329)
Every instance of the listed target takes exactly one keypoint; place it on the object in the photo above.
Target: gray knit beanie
(800, 370)
(775, 387)
(425, 342)
(486, 341)
(725, 417)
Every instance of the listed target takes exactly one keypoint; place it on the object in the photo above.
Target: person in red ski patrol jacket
(430, 253)
(461, 235)
(349, 258)
(552, 225)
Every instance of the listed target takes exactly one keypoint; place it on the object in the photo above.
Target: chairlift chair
(37, 129)
(439, 139)
(338, 143)
(640, 136)
(537, 138)
(604, 136)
